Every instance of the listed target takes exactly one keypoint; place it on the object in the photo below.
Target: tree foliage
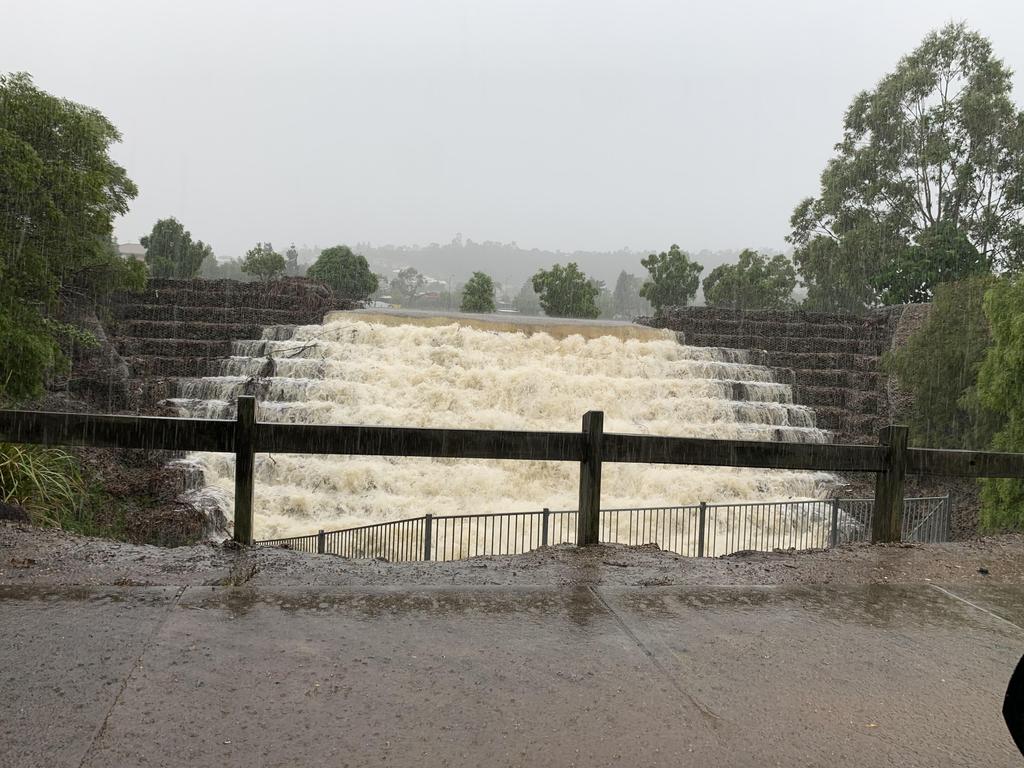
(1001, 389)
(673, 280)
(933, 156)
(604, 300)
(171, 252)
(291, 257)
(941, 254)
(939, 367)
(346, 273)
(526, 301)
(263, 262)
(407, 286)
(627, 302)
(565, 292)
(59, 194)
(753, 282)
(478, 294)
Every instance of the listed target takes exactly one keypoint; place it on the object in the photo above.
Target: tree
(673, 279)
(934, 153)
(626, 299)
(263, 262)
(407, 286)
(478, 294)
(945, 411)
(59, 194)
(526, 301)
(941, 254)
(603, 299)
(171, 252)
(291, 257)
(1000, 384)
(344, 272)
(753, 282)
(565, 292)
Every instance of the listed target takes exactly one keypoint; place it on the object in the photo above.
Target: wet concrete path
(496, 676)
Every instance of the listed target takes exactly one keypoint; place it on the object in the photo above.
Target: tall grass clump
(46, 482)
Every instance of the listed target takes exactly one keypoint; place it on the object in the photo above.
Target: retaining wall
(179, 329)
(833, 362)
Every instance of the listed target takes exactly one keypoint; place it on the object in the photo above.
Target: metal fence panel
(693, 530)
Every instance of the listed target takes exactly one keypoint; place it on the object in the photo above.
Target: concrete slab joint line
(664, 671)
(964, 600)
(90, 750)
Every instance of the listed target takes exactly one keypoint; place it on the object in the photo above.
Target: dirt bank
(31, 555)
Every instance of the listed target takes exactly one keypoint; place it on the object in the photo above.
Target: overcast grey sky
(565, 125)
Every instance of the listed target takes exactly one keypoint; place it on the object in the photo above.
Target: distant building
(132, 251)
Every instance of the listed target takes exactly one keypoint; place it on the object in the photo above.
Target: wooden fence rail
(244, 436)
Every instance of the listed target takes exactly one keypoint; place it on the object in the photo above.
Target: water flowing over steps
(354, 369)
(833, 362)
(178, 330)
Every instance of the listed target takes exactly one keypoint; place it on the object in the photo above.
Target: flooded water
(357, 369)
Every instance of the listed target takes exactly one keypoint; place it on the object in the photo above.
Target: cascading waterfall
(355, 369)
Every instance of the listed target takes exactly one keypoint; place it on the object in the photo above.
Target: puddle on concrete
(885, 606)
(577, 604)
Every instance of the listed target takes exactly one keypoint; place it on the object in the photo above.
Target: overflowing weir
(382, 370)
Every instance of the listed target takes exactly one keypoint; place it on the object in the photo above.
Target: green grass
(49, 484)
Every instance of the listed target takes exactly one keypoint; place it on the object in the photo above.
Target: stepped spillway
(361, 369)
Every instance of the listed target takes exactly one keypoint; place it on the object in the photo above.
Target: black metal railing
(694, 530)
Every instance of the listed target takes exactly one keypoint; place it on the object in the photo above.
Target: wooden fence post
(321, 542)
(588, 521)
(887, 516)
(245, 433)
(544, 527)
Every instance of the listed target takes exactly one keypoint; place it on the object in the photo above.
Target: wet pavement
(519, 676)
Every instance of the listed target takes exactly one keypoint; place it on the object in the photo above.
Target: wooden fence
(891, 460)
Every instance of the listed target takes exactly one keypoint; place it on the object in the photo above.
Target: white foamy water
(356, 371)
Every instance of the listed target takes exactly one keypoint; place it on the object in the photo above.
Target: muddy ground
(30, 555)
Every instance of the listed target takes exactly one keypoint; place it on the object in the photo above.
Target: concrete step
(131, 346)
(824, 361)
(787, 343)
(752, 326)
(294, 294)
(156, 329)
(859, 401)
(189, 367)
(847, 424)
(211, 314)
(814, 377)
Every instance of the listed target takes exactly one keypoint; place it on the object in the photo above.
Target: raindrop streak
(362, 369)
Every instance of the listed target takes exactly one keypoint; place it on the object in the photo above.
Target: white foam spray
(353, 370)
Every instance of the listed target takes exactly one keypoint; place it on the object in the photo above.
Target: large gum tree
(927, 184)
(59, 194)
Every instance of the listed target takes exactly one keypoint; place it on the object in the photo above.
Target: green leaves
(566, 292)
(754, 282)
(407, 286)
(939, 366)
(941, 254)
(674, 279)
(171, 252)
(60, 191)
(478, 294)
(264, 262)
(1001, 389)
(344, 272)
(45, 481)
(934, 152)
